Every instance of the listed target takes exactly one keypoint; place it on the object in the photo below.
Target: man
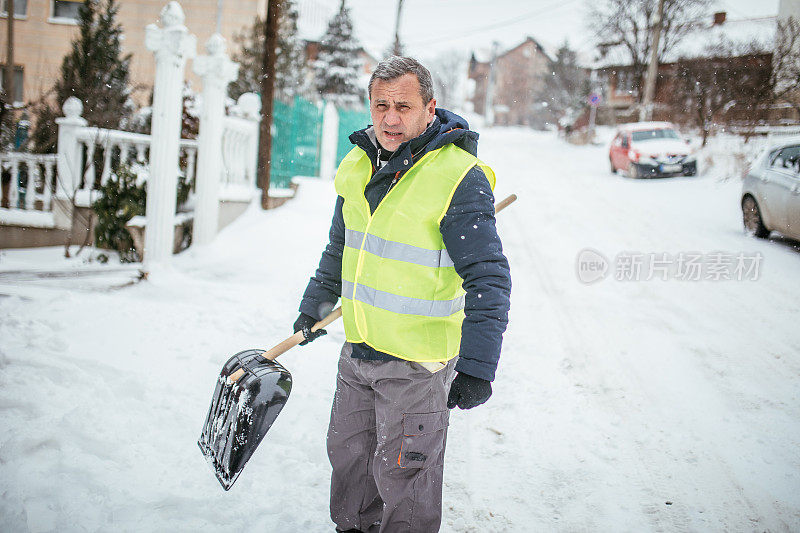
(413, 229)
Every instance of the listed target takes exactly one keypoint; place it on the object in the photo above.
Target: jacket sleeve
(325, 287)
(470, 236)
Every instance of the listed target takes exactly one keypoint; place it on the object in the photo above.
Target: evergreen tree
(123, 197)
(396, 48)
(7, 128)
(338, 64)
(566, 85)
(141, 121)
(94, 71)
(290, 67)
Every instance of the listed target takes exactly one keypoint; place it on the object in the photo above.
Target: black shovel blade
(242, 412)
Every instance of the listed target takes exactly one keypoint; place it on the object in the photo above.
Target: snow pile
(727, 156)
(618, 405)
(104, 392)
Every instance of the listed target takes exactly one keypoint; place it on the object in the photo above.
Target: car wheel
(751, 217)
(613, 168)
(633, 171)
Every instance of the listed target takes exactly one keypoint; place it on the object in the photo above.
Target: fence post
(330, 141)
(217, 71)
(172, 45)
(69, 162)
(249, 105)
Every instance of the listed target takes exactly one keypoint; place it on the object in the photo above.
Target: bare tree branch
(785, 78)
(625, 24)
(727, 76)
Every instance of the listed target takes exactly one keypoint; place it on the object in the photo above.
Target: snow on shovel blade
(242, 412)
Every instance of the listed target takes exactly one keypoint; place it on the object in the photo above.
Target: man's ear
(431, 109)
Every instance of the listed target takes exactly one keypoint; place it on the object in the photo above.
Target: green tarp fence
(350, 120)
(297, 138)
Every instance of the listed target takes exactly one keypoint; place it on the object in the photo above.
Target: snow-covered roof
(695, 44)
(742, 31)
(484, 55)
(636, 126)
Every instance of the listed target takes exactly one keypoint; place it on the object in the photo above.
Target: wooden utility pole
(8, 78)
(397, 50)
(488, 109)
(646, 109)
(219, 16)
(267, 95)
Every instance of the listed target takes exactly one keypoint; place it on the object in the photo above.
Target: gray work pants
(386, 443)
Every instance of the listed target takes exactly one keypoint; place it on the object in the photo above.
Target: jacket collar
(446, 128)
(409, 151)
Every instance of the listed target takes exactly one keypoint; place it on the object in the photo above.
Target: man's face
(398, 112)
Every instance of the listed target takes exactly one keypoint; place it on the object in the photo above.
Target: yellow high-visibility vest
(401, 294)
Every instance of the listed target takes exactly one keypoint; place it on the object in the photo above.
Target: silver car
(771, 192)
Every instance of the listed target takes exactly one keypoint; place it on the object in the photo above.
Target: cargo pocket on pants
(423, 439)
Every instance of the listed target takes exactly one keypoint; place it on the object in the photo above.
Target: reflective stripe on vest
(397, 250)
(401, 294)
(404, 305)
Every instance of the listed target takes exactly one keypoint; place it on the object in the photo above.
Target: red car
(651, 149)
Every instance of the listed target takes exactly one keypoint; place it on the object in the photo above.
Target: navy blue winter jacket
(478, 259)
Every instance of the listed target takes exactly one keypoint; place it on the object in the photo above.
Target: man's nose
(391, 118)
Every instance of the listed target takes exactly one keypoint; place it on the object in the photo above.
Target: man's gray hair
(395, 66)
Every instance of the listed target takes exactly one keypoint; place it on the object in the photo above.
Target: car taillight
(633, 155)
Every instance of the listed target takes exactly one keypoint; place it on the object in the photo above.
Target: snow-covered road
(620, 405)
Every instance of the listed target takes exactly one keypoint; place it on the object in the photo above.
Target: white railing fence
(240, 145)
(32, 182)
(116, 148)
(87, 156)
(97, 152)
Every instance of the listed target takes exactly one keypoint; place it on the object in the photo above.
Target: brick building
(518, 82)
(621, 86)
(44, 29)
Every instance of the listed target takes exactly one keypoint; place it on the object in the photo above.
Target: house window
(18, 78)
(20, 8)
(66, 9)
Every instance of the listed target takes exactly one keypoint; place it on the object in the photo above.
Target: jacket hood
(445, 128)
(454, 129)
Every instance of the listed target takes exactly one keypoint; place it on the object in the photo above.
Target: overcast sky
(429, 27)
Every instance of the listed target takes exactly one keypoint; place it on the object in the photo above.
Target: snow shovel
(251, 390)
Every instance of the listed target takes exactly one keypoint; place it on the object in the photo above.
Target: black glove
(304, 323)
(467, 392)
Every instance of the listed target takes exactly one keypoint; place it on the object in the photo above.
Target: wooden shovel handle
(298, 337)
(502, 204)
(290, 342)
